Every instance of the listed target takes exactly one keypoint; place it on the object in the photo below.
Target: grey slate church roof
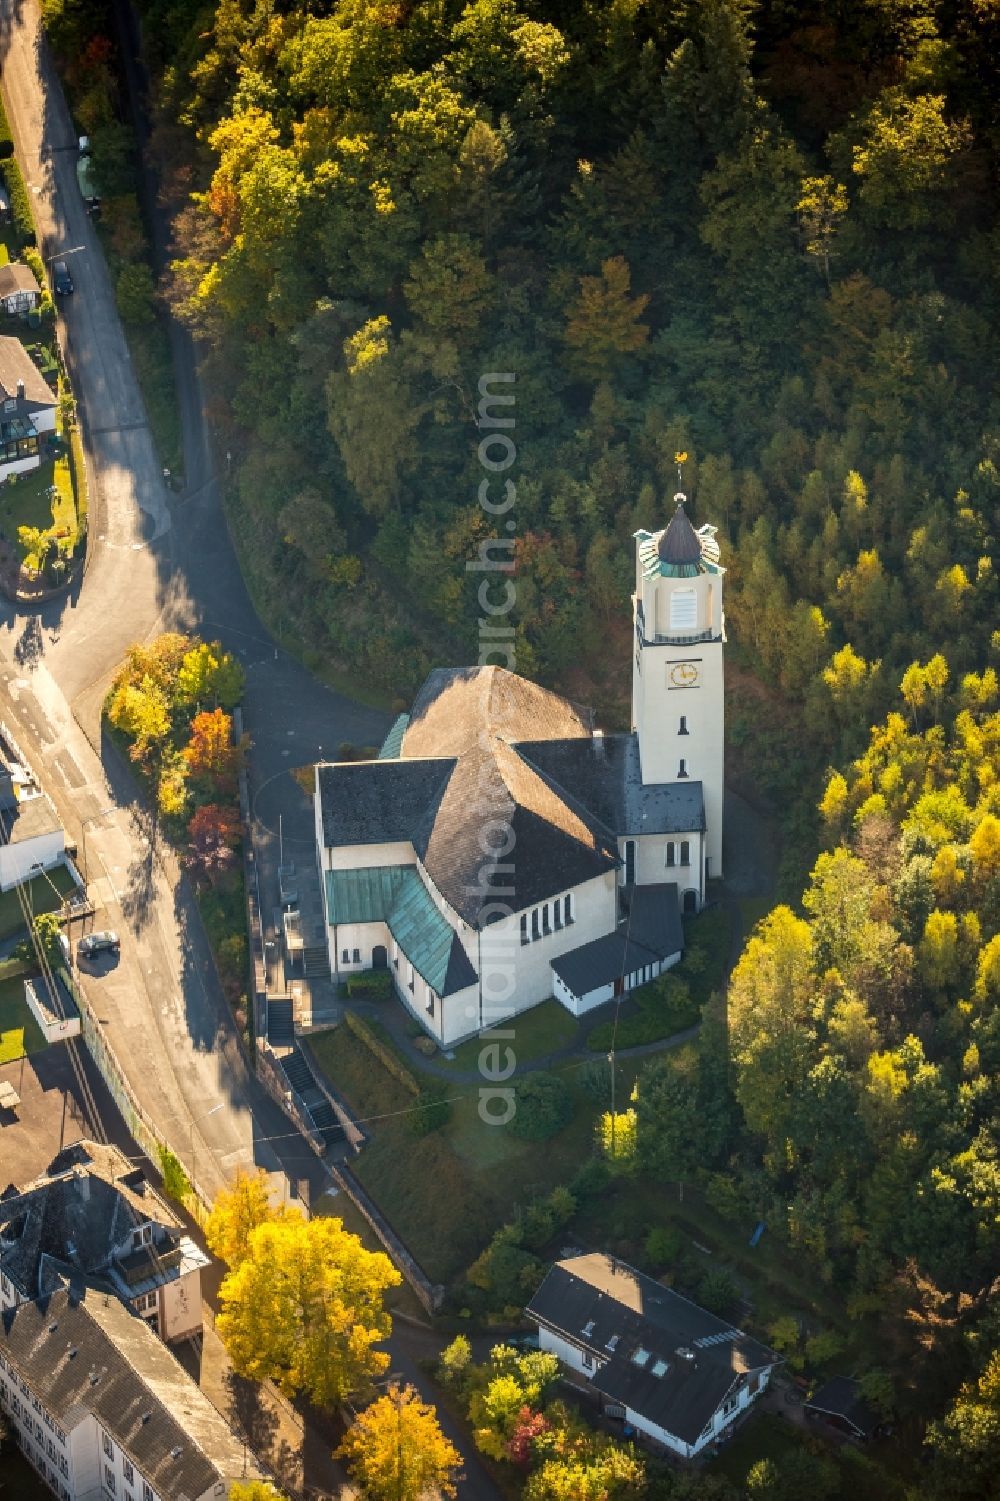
(482, 750)
(605, 774)
(81, 1351)
(692, 1357)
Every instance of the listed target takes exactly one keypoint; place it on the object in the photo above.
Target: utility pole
(611, 1060)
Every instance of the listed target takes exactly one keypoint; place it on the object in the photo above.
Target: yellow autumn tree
(236, 1214)
(396, 1450)
(304, 1308)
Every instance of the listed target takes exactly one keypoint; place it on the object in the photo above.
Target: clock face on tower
(684, 675)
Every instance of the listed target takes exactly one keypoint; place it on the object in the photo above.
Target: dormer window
(588, 1329)
(612, 1343)
(640, 1357)
(142, 1237)
(660, 1368)
(683, 610)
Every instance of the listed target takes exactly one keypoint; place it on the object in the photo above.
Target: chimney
(20, 390)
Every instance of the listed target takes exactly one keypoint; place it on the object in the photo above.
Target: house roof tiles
(81, 1351)
(693, 1358)
(16, 365)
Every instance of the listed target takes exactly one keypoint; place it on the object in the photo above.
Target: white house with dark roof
(102, 1409)
(94, 1214)
(502, 849)
(27, 409)
(19, 291)
(674, 1371)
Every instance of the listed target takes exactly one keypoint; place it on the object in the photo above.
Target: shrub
(20, 203)
(717, 1290)
(385, 1055)
(374, 983)
(590, 1179)
(594, 1078)
(663, 1246)
(34, 261)
(176, 1184)
(434, 1113)
(543, 1105)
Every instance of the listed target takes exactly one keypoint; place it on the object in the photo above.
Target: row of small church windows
(549, 918)
(679, 854)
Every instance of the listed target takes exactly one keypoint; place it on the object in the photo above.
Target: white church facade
(502, 849)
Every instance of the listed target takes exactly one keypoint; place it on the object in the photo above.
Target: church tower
(677, 675)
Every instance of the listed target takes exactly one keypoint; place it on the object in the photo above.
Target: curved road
(156, 561)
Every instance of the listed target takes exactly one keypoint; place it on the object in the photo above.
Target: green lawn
(446, 1193)
(39, 897)
(542, 1030)
(19, 1032)
(764, 1436)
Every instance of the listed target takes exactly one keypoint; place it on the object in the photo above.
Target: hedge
(20, 203)
(396, 1067)
(373, 982)
(6, 139)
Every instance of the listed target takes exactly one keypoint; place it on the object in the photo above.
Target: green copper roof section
(393, 742)
(363, 895)
(395, 895)
(422, 933)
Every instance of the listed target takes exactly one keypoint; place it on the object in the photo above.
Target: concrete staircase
(280, 1023)
(316, 962)
(318, 1107)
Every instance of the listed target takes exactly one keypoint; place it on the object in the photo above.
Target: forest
(761, 236)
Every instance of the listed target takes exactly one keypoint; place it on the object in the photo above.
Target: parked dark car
(61, 279)
(98, 943)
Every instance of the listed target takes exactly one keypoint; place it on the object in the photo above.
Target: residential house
(94, 1214)
(502, 849)
(19, 291)
(104, 1411)
(27, 409)
(32, 837)
(676, 1373)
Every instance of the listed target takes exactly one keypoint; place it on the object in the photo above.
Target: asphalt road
(156, 561)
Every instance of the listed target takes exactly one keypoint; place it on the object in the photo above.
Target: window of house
(535, 934)
(546, 928)
(730, 1404)
(107, 1446)
(753, 1385)
(109, 1479)
(147, 1491)
(683, 727)
(630, 862)
(683, 609)
(129, 1472)
(683, 771)
(568, 909)
(357, 956)
(345, 956)
(524, 927)
(588, 1361)
(685, 852)
(430, 1001)
(671, 853)
(557, 913)
(409, 982)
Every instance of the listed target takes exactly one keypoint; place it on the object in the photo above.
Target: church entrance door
(380, 959)
(690, 901)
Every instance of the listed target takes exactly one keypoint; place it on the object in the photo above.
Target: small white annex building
(674, 1371)
(502, 849)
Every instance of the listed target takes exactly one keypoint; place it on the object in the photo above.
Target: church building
(502, 849)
